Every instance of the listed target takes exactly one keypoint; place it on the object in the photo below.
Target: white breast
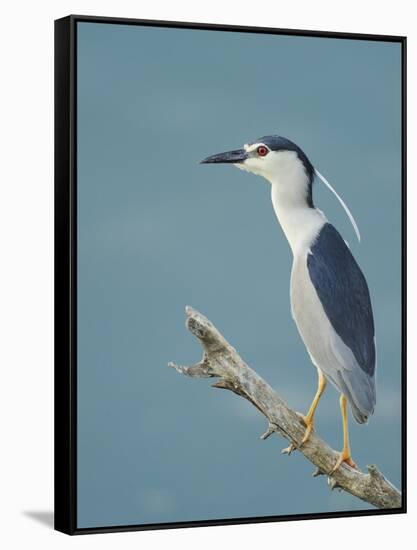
(325, 347)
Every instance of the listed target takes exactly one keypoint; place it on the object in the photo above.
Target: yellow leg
(345, 455)
(309, 418)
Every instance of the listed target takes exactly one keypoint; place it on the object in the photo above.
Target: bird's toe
(309, 424)
(307, 433)
(343, 458)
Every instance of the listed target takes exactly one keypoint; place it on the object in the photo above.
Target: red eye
(262, 151)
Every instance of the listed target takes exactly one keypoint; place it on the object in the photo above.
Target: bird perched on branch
(330, 300)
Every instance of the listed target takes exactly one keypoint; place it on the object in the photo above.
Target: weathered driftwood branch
(221, 360)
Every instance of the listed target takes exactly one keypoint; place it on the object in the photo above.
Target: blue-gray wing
(344, 295)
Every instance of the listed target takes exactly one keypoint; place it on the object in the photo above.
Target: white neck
(300, 223)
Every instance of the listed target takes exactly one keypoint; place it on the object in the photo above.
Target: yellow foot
(346, 458)
(309, 427)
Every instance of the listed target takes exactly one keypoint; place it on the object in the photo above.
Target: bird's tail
(361, 394)
(358, 415)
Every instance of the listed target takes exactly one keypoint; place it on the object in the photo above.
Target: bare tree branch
(221, 360)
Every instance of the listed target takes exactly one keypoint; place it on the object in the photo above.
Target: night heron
(330, 300)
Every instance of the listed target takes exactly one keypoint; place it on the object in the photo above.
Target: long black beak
(234, 157)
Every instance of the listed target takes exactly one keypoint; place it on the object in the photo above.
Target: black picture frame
(66, 267)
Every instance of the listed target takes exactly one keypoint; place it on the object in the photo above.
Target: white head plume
(348, 212)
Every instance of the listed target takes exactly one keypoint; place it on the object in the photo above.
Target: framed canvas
(293, 268)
